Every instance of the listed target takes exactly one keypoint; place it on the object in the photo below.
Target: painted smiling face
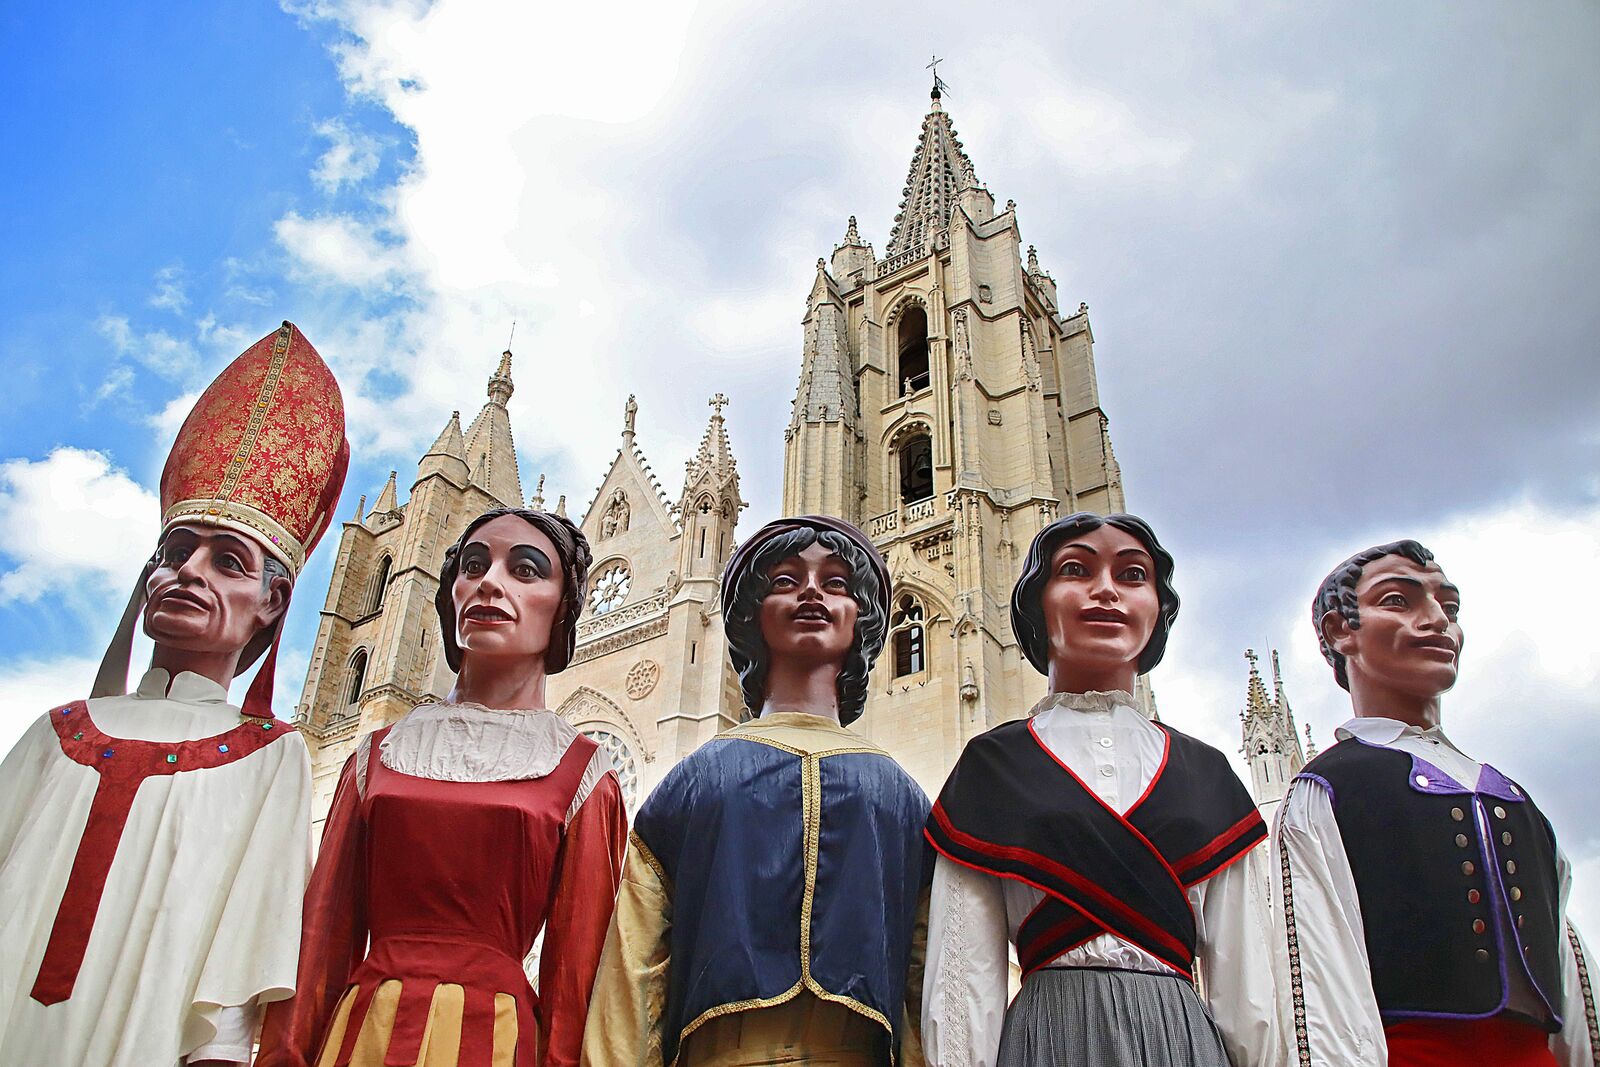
(1408, 641)
(1100, 607)
(808, 612)
(507, 592)
(209, 591)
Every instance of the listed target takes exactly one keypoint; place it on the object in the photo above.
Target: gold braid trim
(1297, 991)
(650, 860)
(1588, 994)
(811, 815)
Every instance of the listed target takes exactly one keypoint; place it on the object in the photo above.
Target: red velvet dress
(451, 882)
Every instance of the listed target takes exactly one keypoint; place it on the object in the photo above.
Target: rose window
(610, 589)
(621, 758)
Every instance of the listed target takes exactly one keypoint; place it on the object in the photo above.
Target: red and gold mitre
(263, 452)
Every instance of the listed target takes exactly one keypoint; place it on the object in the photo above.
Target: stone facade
(648, 679)
(948, 407)
(945, 404)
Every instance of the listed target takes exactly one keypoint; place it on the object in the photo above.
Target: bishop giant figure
(154, 843)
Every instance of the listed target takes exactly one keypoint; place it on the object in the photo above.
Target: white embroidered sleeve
(1322, 949)
(964, 987)
(1234, 927)
(1578, 1043)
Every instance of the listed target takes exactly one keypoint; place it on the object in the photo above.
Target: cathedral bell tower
(948, 407)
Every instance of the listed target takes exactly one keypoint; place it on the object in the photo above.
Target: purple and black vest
(1457, 885)
(1012, 809)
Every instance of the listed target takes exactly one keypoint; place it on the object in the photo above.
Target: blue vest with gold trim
(788, 873)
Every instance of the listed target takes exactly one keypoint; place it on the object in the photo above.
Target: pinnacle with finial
(717, 402)
(630, 412)
(852, 236)
(536, 502)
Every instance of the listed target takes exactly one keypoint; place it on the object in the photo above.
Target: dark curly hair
(1027, 610)
(1338, 593)
(572, 548)
(748, 586)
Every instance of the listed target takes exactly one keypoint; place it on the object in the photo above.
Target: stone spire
(710, 505)
(536, 501)
(1271, 741)
(448, 453)
(715, 455)
(491, 455)
(939, 171)
(388, 498)
(827, 389)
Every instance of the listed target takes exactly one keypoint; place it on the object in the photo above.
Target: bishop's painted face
(507, 592)
(1100, 603)
(808, 612)
(209, 591)
(1409, 638)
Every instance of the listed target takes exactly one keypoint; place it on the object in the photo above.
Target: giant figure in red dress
(459, 833)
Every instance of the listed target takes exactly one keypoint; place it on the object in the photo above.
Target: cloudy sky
(1341, 261)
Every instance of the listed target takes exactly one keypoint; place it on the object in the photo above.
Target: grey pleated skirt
(1072, 1017)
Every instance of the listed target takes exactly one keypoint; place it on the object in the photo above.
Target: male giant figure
(1422, 892)
(154, 844)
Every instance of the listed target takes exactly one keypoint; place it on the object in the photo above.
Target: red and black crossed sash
(123, 765)
(1011, 809)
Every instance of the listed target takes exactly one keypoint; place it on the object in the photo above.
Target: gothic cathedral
(945, 404)
(950, 409)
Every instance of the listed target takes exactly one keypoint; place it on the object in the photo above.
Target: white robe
(199, 923)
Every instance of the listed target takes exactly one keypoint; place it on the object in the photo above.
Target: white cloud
(32, 687)
(70, 525)
(171, 416)
(351, 158)
(169, 294)
(338, 248)
(115, 383)
(156, 350)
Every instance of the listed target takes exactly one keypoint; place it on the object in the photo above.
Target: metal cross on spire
(939, 84)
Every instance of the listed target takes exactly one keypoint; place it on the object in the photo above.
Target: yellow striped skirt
(441, 1037)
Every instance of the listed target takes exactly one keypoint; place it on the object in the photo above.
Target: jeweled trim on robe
(122, 765)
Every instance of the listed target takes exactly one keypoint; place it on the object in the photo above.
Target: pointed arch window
(380, 584)
(908, 636)
(358, 678)
(916, 469)
(911, 370)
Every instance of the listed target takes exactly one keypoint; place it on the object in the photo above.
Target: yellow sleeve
(911, 1054)
(630, 988)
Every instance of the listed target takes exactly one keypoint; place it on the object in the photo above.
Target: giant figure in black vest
(1116, 853)
(1422, 892)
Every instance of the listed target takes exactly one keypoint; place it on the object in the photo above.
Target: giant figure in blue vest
(771, 896)
(1422, 891)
